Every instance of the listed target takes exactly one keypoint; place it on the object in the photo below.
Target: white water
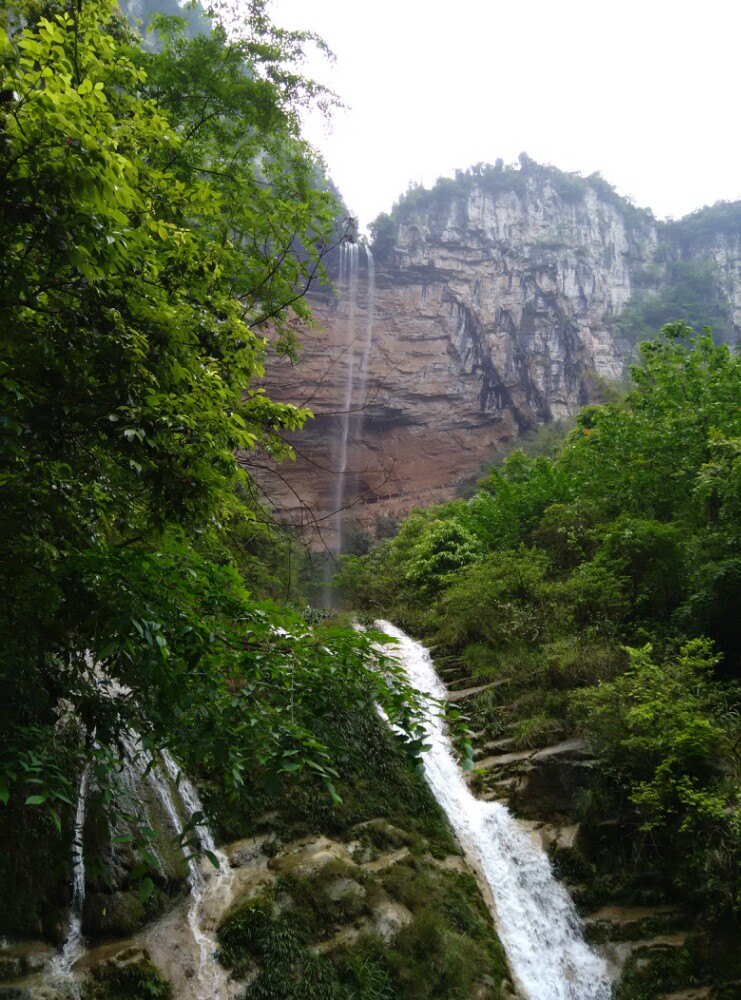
(348, 271)
(73, 947)
(535, 917)
(133, 773)
(370, 315)
(211, 979)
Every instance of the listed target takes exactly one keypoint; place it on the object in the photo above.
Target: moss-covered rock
(411, 927)
(126, 975)
(663, 966)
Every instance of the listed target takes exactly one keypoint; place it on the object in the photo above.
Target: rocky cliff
(502, 299)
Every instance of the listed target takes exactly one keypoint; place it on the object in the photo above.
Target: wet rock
(538, 784)
(621, 923)
(344, 888)
(389, 918)
(117, 914)
(309, 855)
(24, 958)
(245, 852)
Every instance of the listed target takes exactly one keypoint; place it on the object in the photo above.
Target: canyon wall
(502, 300)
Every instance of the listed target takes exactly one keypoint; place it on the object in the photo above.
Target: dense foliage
(599, 590)
(159, 210)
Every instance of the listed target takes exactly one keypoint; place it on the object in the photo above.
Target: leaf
(336, 797)
(36, 800)
(4, 792)
(212, 858)
(146, 889)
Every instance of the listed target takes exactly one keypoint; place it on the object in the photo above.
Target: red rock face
(487, 315)
(431, 414)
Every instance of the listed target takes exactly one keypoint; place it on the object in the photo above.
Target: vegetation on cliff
(495, 179)
(680, 277)
(597, 592)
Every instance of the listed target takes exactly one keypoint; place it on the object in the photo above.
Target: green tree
(146, 242)
(662, 732)
(441, 553)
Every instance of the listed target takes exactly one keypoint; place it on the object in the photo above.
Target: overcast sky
(645, 92)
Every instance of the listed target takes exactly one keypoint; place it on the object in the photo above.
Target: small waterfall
(211, 978)
(73, 947)
(133, 774)
(535, 917)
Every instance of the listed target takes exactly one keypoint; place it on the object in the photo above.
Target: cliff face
(494, 307)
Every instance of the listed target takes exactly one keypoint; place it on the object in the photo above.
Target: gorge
(419, 715)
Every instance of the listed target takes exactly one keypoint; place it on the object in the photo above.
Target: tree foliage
(603, 599)
(159, 211)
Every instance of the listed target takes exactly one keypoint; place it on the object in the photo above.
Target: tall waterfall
(370, 315)
(348, 272)
(535, 917)
(356, 368)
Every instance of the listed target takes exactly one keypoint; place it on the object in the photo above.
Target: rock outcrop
(501, 300)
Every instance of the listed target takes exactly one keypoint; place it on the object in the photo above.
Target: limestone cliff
(498, 298)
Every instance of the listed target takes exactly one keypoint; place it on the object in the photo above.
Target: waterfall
(133, 773)
(535, 918)
(370, 313)
(73, 948)
(349, 254)
(211, 978)
(356, 369)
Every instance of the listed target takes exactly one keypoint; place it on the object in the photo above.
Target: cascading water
(211, 978)
(348, 257)
(73, 947)
(370, 315)
(355, 382)
(535, 917)
(133, 773)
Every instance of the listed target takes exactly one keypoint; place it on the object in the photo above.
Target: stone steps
(456, 696)
(573, 749)
(490, 748)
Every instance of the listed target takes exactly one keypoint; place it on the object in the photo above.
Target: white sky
(645, 92)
